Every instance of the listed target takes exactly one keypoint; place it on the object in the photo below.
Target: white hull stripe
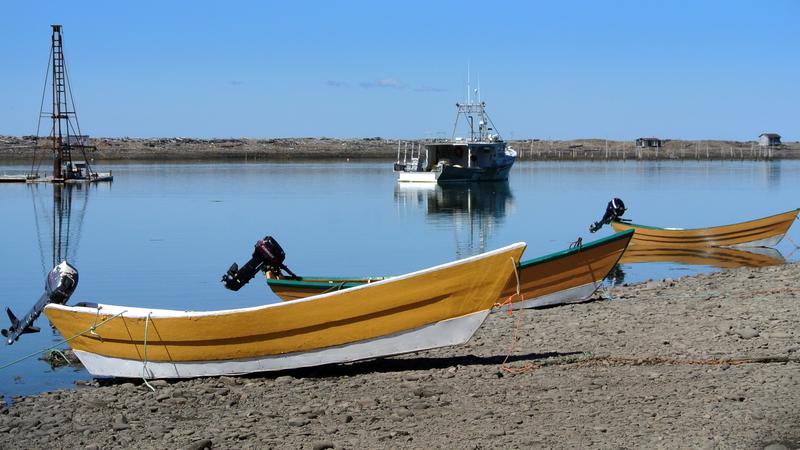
(418, 177)
(768, 242)
(571, 295)
(449, 332)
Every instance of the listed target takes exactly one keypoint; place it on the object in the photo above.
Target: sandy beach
(709, 361)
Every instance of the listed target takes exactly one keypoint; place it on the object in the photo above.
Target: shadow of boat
(389, 365)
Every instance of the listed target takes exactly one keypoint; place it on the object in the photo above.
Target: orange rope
(515, 336)
(660, 360)
(617, 361)
(512, 348)
(510, 302)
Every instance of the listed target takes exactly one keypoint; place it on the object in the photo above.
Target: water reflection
(772, 173)
(58, 221)
(616, 276)
(473, 211)
(720, 257)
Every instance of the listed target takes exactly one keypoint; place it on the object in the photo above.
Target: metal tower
(60, 113)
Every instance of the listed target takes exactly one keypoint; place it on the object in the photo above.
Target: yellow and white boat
(568, 276)
(764, 232)
(435, 307)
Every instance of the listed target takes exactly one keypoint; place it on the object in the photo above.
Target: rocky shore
(710, 361)
(19, 149)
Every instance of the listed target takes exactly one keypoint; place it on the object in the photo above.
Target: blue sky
(549, 70)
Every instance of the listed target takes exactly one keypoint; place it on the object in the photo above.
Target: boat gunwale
(141, 313)
(521, 265)
(322, 284)
(556, 255)
(678, 230)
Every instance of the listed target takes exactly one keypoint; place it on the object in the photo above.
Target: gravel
(665, 364)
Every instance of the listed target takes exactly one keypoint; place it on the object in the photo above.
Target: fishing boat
(435, 307)
(568, 276)
(720, 257)
(764, 232)
(480, 156)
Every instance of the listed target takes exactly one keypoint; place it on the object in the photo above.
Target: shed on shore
(648, 142)
(769, 139)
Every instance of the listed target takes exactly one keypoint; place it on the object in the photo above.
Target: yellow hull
(563, 277)
(765, 232)
(576, 274)
(336, 319)
(722, 257)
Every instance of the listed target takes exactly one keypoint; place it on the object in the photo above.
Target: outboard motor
(267, 256)
(59, 286)
(614, 211)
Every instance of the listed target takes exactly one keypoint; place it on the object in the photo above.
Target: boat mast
(472, 110)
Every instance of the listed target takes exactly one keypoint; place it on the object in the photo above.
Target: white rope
(96, 316)
(516, 273)
(510, 300)
(144, 363)
(90, 329)
(62, 355)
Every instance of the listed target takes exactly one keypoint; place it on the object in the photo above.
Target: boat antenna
(479, 88)
(468, 94)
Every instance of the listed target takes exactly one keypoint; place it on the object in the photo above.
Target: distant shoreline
(19, 149)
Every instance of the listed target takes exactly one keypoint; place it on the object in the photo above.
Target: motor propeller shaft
(58, 287)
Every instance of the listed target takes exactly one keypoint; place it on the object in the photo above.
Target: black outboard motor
(267, 256)
(59, 286)
(614, 211)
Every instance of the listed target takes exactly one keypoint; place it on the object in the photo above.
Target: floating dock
(18, 179)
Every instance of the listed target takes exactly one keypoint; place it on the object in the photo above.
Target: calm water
(163, 234)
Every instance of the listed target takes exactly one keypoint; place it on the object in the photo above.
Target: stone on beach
(726, 379)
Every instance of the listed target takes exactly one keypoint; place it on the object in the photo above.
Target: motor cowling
(614, 211)
(58, 287)
(268, 256)
(61, 283)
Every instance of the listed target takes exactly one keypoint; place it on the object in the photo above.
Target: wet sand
(709, 361)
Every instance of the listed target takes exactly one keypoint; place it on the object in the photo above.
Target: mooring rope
(510, 300)
(333, 288)
(517, 321)
(90, 329)
(144, 362)
(662, 360)
(59, 352)
(793, 243)
(96, 316)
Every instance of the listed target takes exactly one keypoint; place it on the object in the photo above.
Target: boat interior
(459, 155)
